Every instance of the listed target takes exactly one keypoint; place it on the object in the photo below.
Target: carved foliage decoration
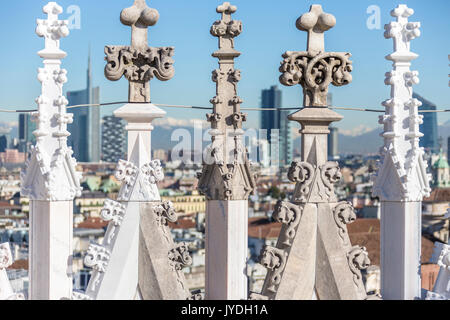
(316, 73)
(149, 174)
(165, 213)
(289, 214)
(112, 211)
(343, 214)
(274, 260)
(314, 184)
(358, 259)
(179, 256)
(139, 65)
(97, 257)
(303, 174)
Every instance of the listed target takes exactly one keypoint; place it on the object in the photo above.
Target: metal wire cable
(19, 110)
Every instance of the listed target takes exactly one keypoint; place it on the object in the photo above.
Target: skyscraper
(429, 128)
(85, 129)
(114, 142)
(26, 128)
(270, 120)
(333, 153)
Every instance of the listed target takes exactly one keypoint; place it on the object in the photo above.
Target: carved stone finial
(139, 63)
(315, 69)
(226, 173)
(52, 30)
(402, 31)
(316, 22)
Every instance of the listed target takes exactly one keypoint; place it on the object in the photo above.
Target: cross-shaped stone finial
(139, 62)
(226, 29)
(52, 30)
(402, 31)
(316, 22)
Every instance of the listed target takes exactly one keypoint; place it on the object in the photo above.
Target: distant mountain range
(360, 141)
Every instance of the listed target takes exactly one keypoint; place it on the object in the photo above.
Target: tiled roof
(438, 195)
(263, 228)
(182, 224)
(19, 265)
(92, 223)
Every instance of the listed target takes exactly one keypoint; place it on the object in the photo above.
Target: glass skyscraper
(270, 120)
(85, 130)
(429, 127)
(26, 128)
(114, 139)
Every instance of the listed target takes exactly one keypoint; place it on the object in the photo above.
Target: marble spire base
(50, 255)
(226, 249)
(159, 277)
(401, 235)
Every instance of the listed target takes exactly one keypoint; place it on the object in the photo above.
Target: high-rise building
(429, 127)
(333, 144)
(26, 128)
(333, 153)
(85, 130)
(277, 120)
(448, 148)
(3, 143)
(114, 142)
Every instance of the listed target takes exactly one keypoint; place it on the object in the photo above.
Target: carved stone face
(270, 260)
(282, 213)
(362, 260)
(347, 214)
(297, 172)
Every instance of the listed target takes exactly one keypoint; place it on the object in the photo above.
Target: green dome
(441, 163)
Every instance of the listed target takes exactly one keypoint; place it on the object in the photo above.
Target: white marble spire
(401, 180)
(50, 179)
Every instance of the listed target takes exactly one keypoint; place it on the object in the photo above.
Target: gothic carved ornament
(314, 184)
(179, 256)
(139, 184)
(274, 260)
(343, 214)
(289, 214)
(113, 212)
(358, 259)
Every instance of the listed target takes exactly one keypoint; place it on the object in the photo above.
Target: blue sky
(269, 30)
